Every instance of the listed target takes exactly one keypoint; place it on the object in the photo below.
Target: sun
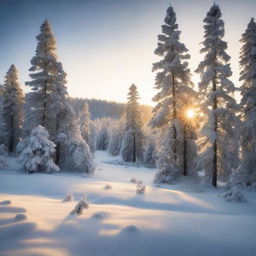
(190, 113)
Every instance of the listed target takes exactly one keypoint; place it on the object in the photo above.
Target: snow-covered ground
(168, 220)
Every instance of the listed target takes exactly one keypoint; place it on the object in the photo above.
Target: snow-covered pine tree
(248, 104)
(116, 137)
(219, 138)
(12, 110)
(75, 152)
(150, 152)
(132, 145)
(84, 121)
(45, 102)
(173, 81)
(102, 140)
(36, 151)
(92, 138)
(48, 105)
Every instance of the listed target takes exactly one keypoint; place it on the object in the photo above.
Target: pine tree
(173, 81)
(216, 90)
(48, 105)
(36, 151)
(116, 137)
(75, 152)
(13, 113)
(102, 140)
(47, 99)
(132, 145)
(84, 118)
(248, 104)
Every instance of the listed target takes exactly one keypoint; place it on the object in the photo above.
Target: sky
(106, 45)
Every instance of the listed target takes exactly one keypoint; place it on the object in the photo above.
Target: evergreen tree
(116, 137)
(248, 104)
(173, 81)
(75, 152)
(84, 118)
(216, 90)
(36, 151)
(132, 145)
(13, 113)
(47, 99)
(102, 140)
(48, 105)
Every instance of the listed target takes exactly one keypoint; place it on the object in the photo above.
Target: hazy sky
(105, 45)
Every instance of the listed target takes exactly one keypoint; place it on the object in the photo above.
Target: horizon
(103, 65)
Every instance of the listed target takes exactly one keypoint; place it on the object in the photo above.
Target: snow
(166, 220)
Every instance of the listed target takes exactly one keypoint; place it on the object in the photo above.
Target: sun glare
(190, 113)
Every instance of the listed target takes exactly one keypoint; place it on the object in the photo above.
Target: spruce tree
(48, 91)
(173, 82)
(132, 145)
(84, 121)
(248, 104)
(13, 113)
(219, 137)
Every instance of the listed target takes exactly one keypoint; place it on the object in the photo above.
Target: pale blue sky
(105, 45)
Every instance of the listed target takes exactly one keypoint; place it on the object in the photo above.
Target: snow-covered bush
(141, 187)
(233, 192)
(36, 150)
(79, 208)
(68, 197)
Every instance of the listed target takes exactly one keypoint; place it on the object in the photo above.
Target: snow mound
(6, 202)
(234, 195)
(131, 228)
(99, 215)
(20, 217)
(107, 187)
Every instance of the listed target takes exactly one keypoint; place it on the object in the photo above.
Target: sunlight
(190, 113)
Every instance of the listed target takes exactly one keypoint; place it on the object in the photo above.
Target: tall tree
(132, 145)
(84, 121)
(173, 81)
(48, 105)
(13, 100)
(48, 84)
(216, 91)
(248, 103)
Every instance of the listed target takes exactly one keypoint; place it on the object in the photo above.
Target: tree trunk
(174, 117)
(185, 151)
(215, 146)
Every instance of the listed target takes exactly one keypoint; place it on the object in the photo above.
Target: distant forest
(102, 108)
